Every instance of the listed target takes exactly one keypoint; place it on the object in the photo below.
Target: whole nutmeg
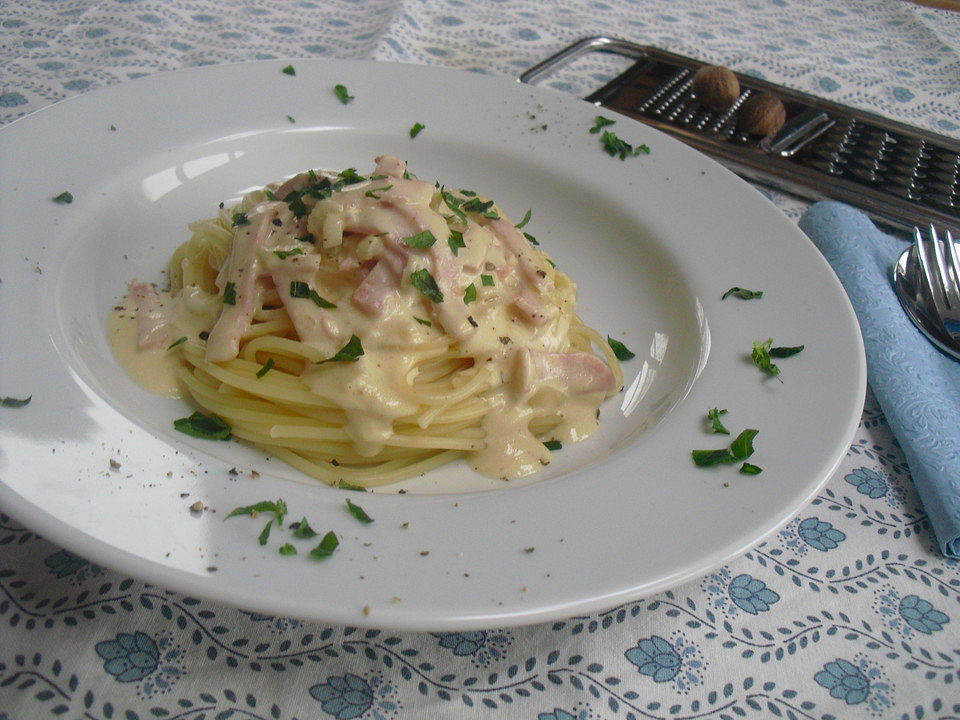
(762, 114)
(715, 86)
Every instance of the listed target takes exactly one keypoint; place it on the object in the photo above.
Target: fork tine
(950, 293)
(955, 266)
(932, 276)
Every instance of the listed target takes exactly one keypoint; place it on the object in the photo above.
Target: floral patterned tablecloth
(849, 611)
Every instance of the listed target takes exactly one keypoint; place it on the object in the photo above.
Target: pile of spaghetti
(367, 329)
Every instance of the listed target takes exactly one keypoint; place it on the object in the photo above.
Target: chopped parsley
(761, 357)
(743, 293)
(531, 239)
(785, 352)
(423, 281)
(470, 294)
(240, 219)
(267, 367)
(284, 254)
(553, 445)
(11, 402)
(290, 118)
(288, 70)
(706, 458)
(205, 427)
(350, 352)
(713, 415)
(342, 93)
(526, 219)
(750, 469)
(373, 193)
(486, 280)
(615, 147)
(420, 240)
(740, 449)
(230, 294)
(288, 549)
(600, 122)
(303, 530)
(113, 128)
(455, 241)
(294, 201)
(477, 205)
(300, 289)
(65, 198)
(454, 203)
(278, 508)
(350, 176)
(318, 189)
(358, 513)
(742, 446)
(179, 341)
(764, 351)
(344, 485)
(416, 129)
(620, 350)
(326, 547)
(422, 322)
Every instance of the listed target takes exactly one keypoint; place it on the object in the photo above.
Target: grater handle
(797, 133)
(583, 47)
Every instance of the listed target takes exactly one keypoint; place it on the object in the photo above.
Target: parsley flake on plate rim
(343, 95)
(12, 402)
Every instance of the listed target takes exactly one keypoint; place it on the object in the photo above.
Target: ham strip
(297, 182)
(242, 269)
(390, 166)
(373, 292)
(312, 323)
(530, 308)
(577, 372)
(151, 320)
(533, 280)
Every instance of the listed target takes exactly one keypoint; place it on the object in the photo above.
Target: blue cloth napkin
(916, 385)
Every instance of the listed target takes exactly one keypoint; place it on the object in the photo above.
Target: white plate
(652, 242)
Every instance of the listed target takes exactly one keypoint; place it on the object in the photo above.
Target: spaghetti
(369, 329)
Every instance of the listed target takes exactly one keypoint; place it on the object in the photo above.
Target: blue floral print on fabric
(63, 563)
(130, 657)
(655, 658)
(820, 534)
(857, 683)
(921, 615)
(844, 681)
(750, 594)
(12, 99)
(560, 714)
(462, 643)
(345, 697)
(868, 482)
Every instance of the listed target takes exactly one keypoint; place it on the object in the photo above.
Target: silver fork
(942, 279)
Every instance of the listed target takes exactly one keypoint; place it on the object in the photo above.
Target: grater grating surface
(901, 175)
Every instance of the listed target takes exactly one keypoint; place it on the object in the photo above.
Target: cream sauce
(502, 304)
(155, 368)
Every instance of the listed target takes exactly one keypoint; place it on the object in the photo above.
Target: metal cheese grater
(898, 174)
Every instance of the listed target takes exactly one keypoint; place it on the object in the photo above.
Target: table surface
(848, 611)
